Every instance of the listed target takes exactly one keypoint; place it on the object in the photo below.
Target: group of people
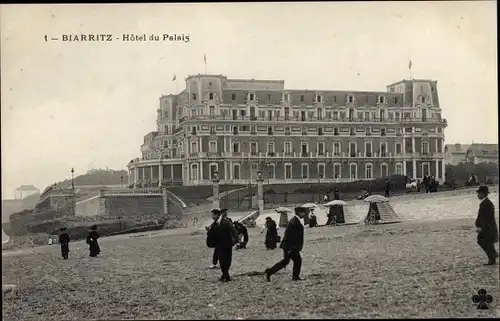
(223, 235)
(430, 184)
(91, 240)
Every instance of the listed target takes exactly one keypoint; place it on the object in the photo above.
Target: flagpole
(205, 60)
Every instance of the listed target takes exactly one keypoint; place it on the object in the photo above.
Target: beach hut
(311, 207)
(380, 211)
(339, 210)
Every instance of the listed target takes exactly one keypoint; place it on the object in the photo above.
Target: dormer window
(350, 99)
(269, 96)
(233, 96)
(285, 97)
(381, 99)
(250, 97)
(318, 98)
(194, 96)
(302, 98)
(422, 99)
(211, 96)
(395, 100)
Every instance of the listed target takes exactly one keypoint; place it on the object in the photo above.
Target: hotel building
(237, 127)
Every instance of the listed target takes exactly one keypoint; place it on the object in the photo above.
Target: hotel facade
(238, 127)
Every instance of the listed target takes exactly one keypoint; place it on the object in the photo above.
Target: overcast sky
(88, 105)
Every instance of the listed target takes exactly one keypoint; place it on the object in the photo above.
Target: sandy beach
(418, 268)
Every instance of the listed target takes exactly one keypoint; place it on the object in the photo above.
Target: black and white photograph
(249, 160)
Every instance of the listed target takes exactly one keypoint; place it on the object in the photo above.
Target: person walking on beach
(271, 228)
(212, 237)
(227, 237)
(292, 244)
(64, 241)
(92, 241)
(486, 226)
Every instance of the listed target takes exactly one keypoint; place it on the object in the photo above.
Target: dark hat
(93, 227)
(483, 189)
(300, 209)
(223, 210)
(216, 211)
(63, 229)
(268, 218)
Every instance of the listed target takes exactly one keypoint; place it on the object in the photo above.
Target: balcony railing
(310, 119)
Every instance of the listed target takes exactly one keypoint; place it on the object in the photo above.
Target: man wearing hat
(64, 241)
(212, 237)
(227, 237)
(486, 226)
(292, 244)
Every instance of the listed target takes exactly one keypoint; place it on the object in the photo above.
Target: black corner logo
(481, 299)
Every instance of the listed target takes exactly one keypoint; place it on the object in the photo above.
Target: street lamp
(72, 178)
(121, 181)
(259, 175)
(268, 165)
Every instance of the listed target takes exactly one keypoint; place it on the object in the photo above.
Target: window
(210, 83)
(368, 149)
(193, 112)
(329, 115)
(382, 132)
(336, 131)
(253, 148)
(269, 130)
(288, 171)
(268, 96)
(321, 148)
(381, 99)
(235, 130)
(425, 169)
(272, 171)
(360, 115)
(425, 148)
(211, 111)
(399, 169)
(383, 170)
(211, 96)
(395, 100)
(367, 115)
(368, 171)
(368, 131)
(212, 130)
(318, 98)
(321, 170)
(422, 99)
(301, 97)
(285, 97)
(254, 169)
(399, 148)
(305, 171)
(353, 171)
(194, 96)
(194, 172)
(236, 171)
(304, 149)
(352, 149)
(310, 114)
(335, 115)
(319, 112)
(194, 147)
(270, 148)
(233, 97)
(350, 99)
(288, 148)
(251, 97)
(212, 147)
(243, 113)
(213, 170)
(287, 130)
(336, 149)
(383, 149)
(236, 147)
(336, 171)
(320, 131)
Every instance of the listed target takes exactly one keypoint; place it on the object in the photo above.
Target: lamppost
(260, 191)
(121, 181)
(268, 165)
(215, 191)
(72, 178)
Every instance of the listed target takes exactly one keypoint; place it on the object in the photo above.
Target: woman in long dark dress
(271, 234)
(92, 241)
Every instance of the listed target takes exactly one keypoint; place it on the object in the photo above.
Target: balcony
(310, 119)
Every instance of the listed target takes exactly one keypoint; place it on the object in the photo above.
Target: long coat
(486, 221)
(92, 242)
(294, 235)
(227, 236)
(271, 235)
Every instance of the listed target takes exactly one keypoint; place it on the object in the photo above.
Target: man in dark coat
(336, 194)
(486, 226)
(212, 237)
(64, 241)
(292, 244)
(227, 237)
(242, 235)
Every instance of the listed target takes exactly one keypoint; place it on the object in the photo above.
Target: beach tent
(380, 205)
(341, 210)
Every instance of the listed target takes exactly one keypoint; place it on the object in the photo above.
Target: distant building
(238, 127)
(473, 153)
(24, 191)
